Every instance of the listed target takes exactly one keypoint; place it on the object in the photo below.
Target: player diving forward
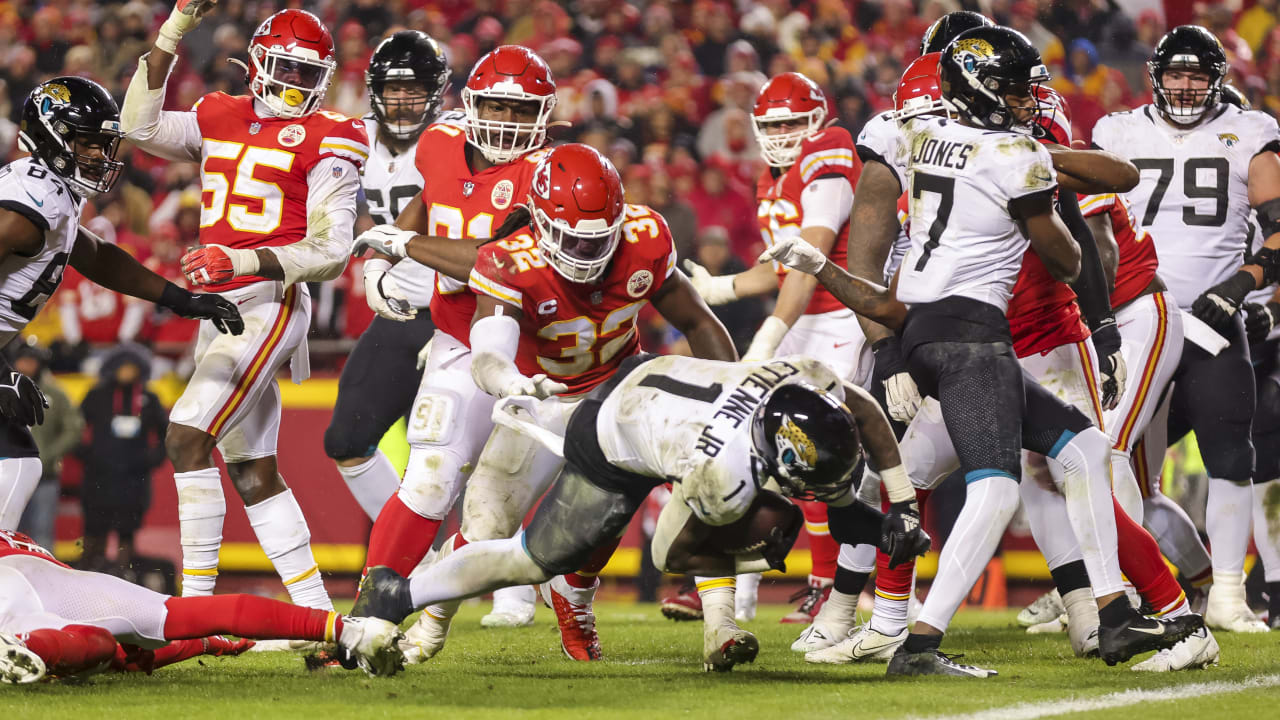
(957, 278)
(719, 432)
(71, 127)
(280, 178)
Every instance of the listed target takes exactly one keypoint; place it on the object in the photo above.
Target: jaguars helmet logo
(53, 94)
(796, 452)
(970, 51)
(1229, 139)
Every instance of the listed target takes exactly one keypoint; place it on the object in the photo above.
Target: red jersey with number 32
(778, 206)
(253, 171)
(463, 204)
(578, 333)
(1137, 261)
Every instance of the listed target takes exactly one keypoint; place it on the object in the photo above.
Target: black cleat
(1139, 634)
(932, 662)
(383, 593)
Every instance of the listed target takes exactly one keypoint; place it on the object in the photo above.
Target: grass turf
(652, 670)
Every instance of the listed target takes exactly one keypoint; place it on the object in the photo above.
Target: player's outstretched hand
(224, 314)
(714, 289)
(213, 264)
(20, 399)
(795, 253)
(901, 537)
(383, 295)
(902, 397)
(538, 386)
(1260, 319)
(184, 18)
(386, 239)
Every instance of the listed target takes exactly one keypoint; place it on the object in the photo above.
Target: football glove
(386, 239)
(901, 537)
(902, 397)
(1259, 320)
(766, 340)
(539, 386)
(383, 295)
(714, 289)
(222, 312)
(20, 399)
(1217, 305)
(795, 253)
(1111, 367)
(213, 264)
(184, 18)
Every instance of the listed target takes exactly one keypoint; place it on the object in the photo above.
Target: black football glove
(1259, 320)
(1217, 305)
(781, 538)
(901, 537)
(224, 314)
(1106, 344)
(20, 399)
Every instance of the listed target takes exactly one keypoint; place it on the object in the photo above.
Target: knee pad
(1088, 451)
(858, 558)
(340, 443)
(1228, 455)
(432, 481)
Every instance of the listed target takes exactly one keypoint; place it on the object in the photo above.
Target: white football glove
(183, 19)
(386, 239)
(902, 396)
(766, 340)
(714, 289)
(796, 253)
(538, 386)
(383, 295)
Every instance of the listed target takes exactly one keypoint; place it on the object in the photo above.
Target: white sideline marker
(1031, 711)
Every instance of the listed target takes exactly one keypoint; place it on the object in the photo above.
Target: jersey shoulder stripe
(346, 138)
(1095, 204)
(828, 151)
(488, 286)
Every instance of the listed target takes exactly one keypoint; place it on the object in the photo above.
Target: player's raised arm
(171, 135)
(868, 299)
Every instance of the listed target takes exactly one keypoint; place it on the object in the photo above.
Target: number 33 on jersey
(577, 333)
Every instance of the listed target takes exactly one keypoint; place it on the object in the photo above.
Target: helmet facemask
(1184, 106)
(502, 141)
(408, 112)
(291, 85)
(87, 174)
(996, 113)
(781, 149)
(580, 254)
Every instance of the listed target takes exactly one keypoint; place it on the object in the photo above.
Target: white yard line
(1031, 711)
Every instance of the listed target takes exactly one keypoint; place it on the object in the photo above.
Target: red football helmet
(508, 72)
(919, 91)
(1055, 115)
(785, 99)
(291, 63)
(577, 204)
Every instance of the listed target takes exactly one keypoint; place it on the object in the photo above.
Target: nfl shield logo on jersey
(255, 128)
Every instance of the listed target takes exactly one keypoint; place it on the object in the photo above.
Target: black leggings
(1214, 396)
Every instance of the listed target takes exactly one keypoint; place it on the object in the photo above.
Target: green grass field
(653, 670)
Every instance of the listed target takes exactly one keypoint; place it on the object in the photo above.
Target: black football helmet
(1187, 47)
(412, 56)
(63, 120)
(946, 28)
(1232, 95)
(806, 440)
(983, 65)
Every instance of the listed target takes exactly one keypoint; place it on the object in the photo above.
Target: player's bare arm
(875, 217)
(1049, 236)
(1108, 248)
(869, 300)
(1092, 171)
(18, 234)
(685, 310)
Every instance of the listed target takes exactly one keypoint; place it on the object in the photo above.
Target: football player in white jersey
(719, 431)
(1205, 164)
(71, 127)
(980, 188)
(407, 79)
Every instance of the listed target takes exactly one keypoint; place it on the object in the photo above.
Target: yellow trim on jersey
(1091, 381)
(203, 572)
(1097, 202)
(482, 284)
(817, 528)
(330, 627)
(717, 583)
(1148, 374)
(837, 156)
(337, 143)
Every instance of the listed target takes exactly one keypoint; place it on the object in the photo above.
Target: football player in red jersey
(807, 190)
(67, 622)
(475, 172)
(280, 179)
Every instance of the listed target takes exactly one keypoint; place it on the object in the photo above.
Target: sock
(248, 616)
(1124, 484)
(283, 534)
(1143, 565)
(840, 611)
(18, 480)
(1046, 511)
(717, 599)
(989, 503)
(475, 569)
(748, 587)
(514, 595)
(1266, 527)
(1115, 613)
(586, 576)
(916, 643)
(1081, 469)
(1069, 577)
(201, 509)
(823, 549)
(892, 597)
(371, 483)
(1226, 520)
(400, 537)
(1082, 611)
(72, 650)
(1178, 538)
(446, 609)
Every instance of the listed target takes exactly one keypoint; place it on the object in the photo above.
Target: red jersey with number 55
(780, 210)
(578, 333)
(1137, 262)
(463, 204)
(253, 171)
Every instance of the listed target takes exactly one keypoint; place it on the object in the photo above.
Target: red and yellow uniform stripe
(1090, 380)
(288, 306)
(1147, 380)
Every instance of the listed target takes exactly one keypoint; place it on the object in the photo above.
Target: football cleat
(726, 645)
(1198, 650)
(18, 664)
(577, 622)
(1084, 642)
(512, 607)
(811, 599)
(1227, 610)
(862, 645)
(818, 636)
(683, 606)
(374, 643)
(426, 638)
(1139, 634)
(383, 593)
(932, 662)
(1045, 609)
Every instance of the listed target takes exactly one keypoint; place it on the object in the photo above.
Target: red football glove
(214, 264)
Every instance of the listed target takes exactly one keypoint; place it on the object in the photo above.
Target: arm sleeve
(494, 343)
(826, 202)
(170, 135)
(1091, 286)
(332, 187)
